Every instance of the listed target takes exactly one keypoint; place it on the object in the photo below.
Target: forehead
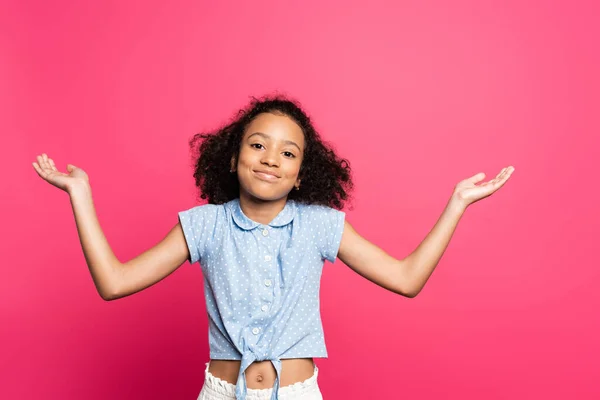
(279, 127)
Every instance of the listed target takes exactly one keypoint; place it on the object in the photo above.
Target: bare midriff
(262, 374)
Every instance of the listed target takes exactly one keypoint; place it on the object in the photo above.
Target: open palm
(468, 192)
(47, 170)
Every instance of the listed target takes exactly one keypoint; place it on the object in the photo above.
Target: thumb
(70, 167)
(476, 178)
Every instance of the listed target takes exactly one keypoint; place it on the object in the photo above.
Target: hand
(47, 171)
(466, 192)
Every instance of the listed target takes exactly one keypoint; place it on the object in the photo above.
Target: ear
(232, 164)
(297, 184)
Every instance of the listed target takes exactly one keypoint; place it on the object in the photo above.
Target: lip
(266, 175)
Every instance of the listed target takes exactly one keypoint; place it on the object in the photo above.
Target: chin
(266, 195)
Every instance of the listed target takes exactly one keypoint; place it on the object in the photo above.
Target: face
(271, 153)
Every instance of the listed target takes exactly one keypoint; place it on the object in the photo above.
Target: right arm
(112, 278)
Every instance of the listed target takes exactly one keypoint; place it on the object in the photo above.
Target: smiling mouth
(265, 177)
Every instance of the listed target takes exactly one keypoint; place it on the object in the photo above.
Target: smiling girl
(275, 192)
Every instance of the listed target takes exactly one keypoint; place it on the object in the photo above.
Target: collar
(284, 217)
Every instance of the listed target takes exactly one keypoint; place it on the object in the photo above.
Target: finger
(41, 162)
(506, 174)
(499, 176)
(40, 171)
(37, 169)
(500, 182)
(46, 163)
(508, 170)
(499, 179)
(502, 175)
(52, 164)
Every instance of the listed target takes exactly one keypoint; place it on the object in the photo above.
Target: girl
(275, 192)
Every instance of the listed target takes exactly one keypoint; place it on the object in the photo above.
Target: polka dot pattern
(261, 282)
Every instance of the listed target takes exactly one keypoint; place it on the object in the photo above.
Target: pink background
(418, 95)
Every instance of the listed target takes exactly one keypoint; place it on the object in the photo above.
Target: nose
(270, 158)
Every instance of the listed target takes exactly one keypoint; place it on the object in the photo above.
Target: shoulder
(325, 226)
(317, 212)
(317, 216)
(205, 212)
(205, 209)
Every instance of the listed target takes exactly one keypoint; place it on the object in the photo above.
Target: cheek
(293, 170)
(245, 158)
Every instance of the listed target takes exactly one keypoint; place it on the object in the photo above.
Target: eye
(291, 155)
(256, 144)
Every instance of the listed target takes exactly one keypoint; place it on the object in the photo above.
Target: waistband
(295, 390)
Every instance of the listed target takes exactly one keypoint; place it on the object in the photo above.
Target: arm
(112, 278)
(407, 276)
(423, 260)
(374, 264)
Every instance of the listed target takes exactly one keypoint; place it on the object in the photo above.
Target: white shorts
(218, 389)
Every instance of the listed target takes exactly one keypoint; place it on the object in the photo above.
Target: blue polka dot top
(261, 282)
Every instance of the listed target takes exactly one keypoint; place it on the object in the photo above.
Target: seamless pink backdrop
(417, 95)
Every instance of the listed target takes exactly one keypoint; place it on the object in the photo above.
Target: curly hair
(326, 178)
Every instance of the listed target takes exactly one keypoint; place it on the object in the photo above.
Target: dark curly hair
(326, 178)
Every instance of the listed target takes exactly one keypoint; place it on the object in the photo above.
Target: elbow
(107, 298)
(413, 284)
(406, 285)
(109, 290)
(409, 291)
(110, 297)
(406, 293)
(108, 294)
(412, 291)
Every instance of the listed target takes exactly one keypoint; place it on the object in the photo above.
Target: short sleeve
(198, 224)
(330, 235)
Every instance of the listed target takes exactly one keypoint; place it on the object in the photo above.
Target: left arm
(408, 276)
(374, 264)
(423, 260)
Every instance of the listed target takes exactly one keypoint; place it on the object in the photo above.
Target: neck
(261, 211)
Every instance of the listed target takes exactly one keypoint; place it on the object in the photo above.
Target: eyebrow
(264, 135)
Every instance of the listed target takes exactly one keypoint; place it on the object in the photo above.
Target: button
(264, 307)
(255, 331)
(265, 232)
(267, 258)
(267, 282)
